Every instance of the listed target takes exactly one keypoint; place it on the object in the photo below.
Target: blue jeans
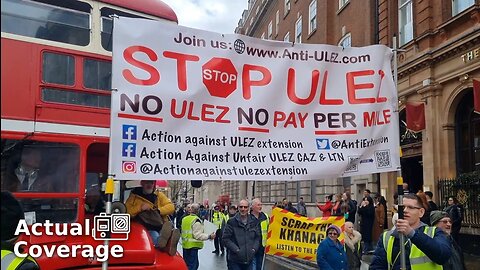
(258, 259)
(155, 236)
(239, 266)
(190, 256)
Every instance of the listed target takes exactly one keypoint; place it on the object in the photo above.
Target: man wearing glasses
(425, 247)
(442, 220)
(241, 238)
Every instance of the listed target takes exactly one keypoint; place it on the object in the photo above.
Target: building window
(277, 21)
(286, 7)
(467, 136)
(460, 5)
(346, 41)
(58, 69)
(270, 30)
(312, 16)
(48, 22)
(286, 38)
(342, 3)
(405, 21)
(298, 30)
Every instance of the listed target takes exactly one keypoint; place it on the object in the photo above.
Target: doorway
(412, 172)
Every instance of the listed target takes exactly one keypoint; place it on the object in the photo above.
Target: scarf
(351, 240)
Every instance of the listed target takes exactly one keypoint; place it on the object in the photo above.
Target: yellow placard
(294, 236)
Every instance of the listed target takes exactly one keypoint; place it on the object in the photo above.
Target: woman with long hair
(337, 206)
(380, 215)
(367, 212)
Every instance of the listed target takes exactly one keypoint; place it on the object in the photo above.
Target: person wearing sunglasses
(242, 238)
(331, 254)
(442, 220)
(425, 247)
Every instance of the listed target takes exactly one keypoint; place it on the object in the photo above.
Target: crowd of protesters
(433, 234)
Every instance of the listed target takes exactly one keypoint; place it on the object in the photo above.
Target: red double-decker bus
(55, 99)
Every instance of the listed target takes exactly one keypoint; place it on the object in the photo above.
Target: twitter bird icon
(323, 144)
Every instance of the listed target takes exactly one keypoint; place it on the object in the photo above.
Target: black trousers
(218, 241)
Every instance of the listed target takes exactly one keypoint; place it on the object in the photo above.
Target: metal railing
(467, 192)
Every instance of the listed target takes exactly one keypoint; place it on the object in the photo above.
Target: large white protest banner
(192, 104)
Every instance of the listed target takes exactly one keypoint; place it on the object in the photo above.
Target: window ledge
(311, 34)
(456, 17)
(343, 7)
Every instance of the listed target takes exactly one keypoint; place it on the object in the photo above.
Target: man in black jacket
(241, 238)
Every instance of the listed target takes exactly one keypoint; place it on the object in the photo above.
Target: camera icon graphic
(111, 227)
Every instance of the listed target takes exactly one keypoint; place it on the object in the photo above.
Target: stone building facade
(438, 59)
(317, 22)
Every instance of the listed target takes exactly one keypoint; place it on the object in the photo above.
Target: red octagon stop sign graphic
(220, 77)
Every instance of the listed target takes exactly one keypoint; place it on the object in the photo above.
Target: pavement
(211, 261)
(472, 262)
(207, 259)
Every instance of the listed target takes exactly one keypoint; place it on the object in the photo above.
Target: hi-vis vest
(218, 218)
(11, 262)
(264, 228)
(418, 259)
(188, 241)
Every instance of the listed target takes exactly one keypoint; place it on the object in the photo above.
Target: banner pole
(403, 264)
(110, 184)
(109, 188)
(263, 259)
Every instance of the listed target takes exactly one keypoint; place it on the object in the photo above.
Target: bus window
(61, 210)
(40, 20)
(97, 74)
(94, 197)
(39, 167)
(58, 68)
(75, 98)
(107, 25)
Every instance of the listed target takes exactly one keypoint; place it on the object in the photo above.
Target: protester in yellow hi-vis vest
(425, 247)
(218, 218)
(11, 214)
(193, 237)
(263, 221)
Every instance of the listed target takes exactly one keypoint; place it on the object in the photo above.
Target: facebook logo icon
(129, 149)
(129, 132)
